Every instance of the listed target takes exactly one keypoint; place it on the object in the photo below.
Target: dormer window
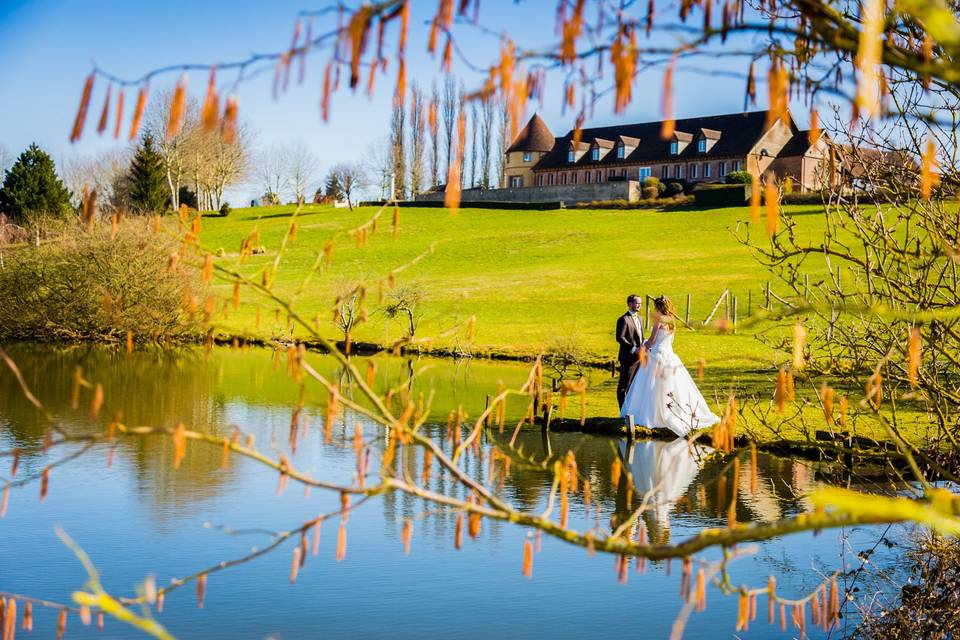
(620, 153)
(571, 156)
(674, 148)
(702, 145)
(595, 154)
(706, 139)
(527, 156)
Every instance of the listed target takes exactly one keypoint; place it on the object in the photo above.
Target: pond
(135, 515)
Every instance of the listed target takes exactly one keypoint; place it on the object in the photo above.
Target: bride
(662, 394)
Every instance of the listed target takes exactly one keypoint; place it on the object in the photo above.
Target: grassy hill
(529, 277)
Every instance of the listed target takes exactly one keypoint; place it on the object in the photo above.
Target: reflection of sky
(124, 518)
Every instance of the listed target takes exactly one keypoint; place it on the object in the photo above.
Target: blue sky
(48, 46)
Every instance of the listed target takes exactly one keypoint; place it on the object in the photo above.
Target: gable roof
(798, 145)
(739, 133)
(535, 136)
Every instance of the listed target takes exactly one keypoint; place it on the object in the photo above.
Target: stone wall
(568, 194)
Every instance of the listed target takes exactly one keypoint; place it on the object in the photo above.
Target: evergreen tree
(31, 187)
(334, 188)
(148, 186)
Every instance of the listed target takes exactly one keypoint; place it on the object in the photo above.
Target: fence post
(749, 302)
(768, 296)
(686, 318)
(630, 425)
(734, 314)
(726, 306)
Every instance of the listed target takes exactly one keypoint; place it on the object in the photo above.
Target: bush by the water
(225, 209)
(85, 285)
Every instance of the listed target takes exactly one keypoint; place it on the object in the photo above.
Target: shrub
(225, 209)
(674, 188)
(739, 177)
(86, 286)
(651, 188)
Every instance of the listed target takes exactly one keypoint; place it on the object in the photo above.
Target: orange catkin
(341, 542)
(295, 566)
(406, 536)
(119, 116)
(527, 559)
(458, 532)
(201, 589)
(914, 356)
(177, 105)
(61, 623)
(138, 111)
(82, 109)
(666, 131)
(105, 112)
(27, 616)
(771, 197)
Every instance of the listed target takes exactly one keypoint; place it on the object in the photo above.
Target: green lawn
(528, 276)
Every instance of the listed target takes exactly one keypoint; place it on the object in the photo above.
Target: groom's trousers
(627, 371)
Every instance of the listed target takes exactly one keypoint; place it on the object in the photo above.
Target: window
(573, 178)
(588, 176)
(620, 152)
(540, 180)
(527, 156)
(693, 171)
(623, 173)
(723, 168)
(550, 180)
(516, 181)
(645, 172)
(665, 172)
(611, 173)
(674, 148)
(571, 157)
(599, 176)
(678, 171)
(706, 169)
(702, 145)
(563, 178)
(595, 154)
(736, 165)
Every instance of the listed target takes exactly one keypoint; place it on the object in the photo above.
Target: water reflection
(141, 503)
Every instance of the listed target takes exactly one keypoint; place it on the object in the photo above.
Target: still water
(139, 517)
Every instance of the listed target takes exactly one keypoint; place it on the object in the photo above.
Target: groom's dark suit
(630, 337)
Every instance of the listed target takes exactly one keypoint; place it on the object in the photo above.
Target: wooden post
(768, 296)
(749, 302)
(486, 411)
(546, 418)
(726, 305)
(734, 314)
(630, 426)
(686, 316)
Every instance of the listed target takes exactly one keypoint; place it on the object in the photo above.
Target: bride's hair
(665, 308)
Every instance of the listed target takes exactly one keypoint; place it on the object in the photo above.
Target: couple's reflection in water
(661, 473)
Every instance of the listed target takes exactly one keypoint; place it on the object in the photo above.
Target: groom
(630, 337)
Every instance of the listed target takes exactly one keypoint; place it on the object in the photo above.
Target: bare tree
(451, 98)
(486, 139)
(397, 122)
(100, 171)
(406, 303)
(474, 118)
(434, 138)
(378, 164)
(302, 166)
(272, 171)
(417, 141)
(503, 141)
(179, 150)
(6, 160)
(350, 177)
(227, 163)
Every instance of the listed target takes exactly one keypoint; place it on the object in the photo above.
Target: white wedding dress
(663, 395)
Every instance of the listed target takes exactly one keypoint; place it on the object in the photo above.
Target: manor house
(702, 149)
